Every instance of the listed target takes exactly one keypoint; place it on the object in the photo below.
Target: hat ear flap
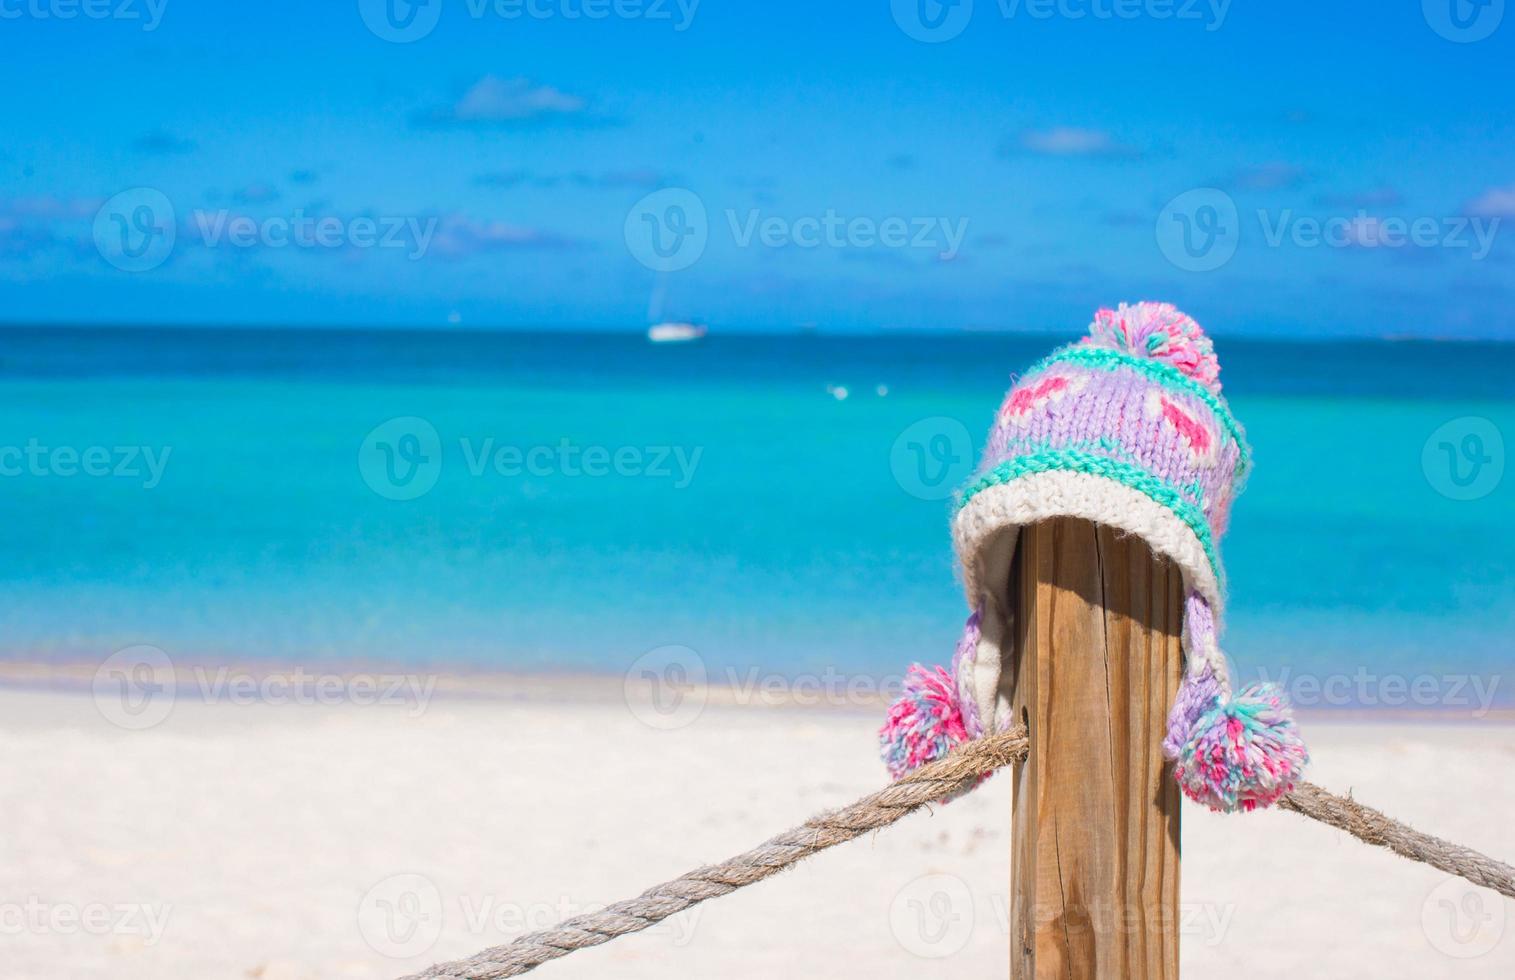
(964, 670)
(1230, 751)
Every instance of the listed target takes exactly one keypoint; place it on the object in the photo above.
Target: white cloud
(1496, 202)
(1072, 141)
(1365, 232)
(459, 236)
(505, 100)
(1273, 176)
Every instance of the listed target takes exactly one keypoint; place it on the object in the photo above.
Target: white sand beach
(293, 841)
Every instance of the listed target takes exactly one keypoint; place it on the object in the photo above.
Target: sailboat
(669, 331)
(675, 332)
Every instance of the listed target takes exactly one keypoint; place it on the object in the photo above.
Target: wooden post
(1095, 823)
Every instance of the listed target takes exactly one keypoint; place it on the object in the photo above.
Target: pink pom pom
(1158, 331)
(924, 723)
(1244, 753)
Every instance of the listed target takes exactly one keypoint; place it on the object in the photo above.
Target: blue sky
(1276, 169)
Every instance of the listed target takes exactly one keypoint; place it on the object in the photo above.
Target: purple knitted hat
(1126, 428)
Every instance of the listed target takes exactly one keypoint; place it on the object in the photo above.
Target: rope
(1372, 827)
(929, 784)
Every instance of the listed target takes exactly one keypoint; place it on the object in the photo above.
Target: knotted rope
(929, 784)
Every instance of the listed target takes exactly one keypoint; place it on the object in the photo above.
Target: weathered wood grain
(1095, 823)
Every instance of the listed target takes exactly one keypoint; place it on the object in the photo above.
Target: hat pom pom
(1160, 332)
(1243, 753)
(924, 723)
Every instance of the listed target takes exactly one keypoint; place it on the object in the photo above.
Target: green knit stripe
(1068, 460)
(1108, 359)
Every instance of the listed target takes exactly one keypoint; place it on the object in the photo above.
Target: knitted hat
(1126, 428)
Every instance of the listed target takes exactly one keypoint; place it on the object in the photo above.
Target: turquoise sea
(569, 501)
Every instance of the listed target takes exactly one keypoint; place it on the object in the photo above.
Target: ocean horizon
(569, 501)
